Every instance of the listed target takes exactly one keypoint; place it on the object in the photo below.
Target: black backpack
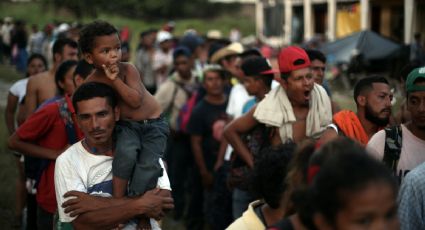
(392, 151)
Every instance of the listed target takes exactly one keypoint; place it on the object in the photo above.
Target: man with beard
(412, 133)
(373, 99)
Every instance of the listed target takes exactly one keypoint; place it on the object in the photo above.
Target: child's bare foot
(144, 224)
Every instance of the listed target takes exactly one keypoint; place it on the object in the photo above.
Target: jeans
(139, 146)
(180, 162)
(221, 199)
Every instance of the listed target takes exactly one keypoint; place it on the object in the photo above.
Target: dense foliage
(152, 9)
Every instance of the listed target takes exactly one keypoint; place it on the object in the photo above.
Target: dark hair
(404, 72)
(267, 79)
(285, 76)
(147, 32)
(297, 171)
(61, 72)
(93, 30)
(366, 84)
(91, 90)
(61, 43)
(37, 56)
(83, 69)
(345, 168)
(214, 47)
(315, 55)
(221, 72)
(19, 23)
(268, 176)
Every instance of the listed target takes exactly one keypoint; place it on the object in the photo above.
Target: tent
(367, 44)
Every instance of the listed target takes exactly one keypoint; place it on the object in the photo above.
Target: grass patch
(9, 74)
(43, 15)
(8, 175)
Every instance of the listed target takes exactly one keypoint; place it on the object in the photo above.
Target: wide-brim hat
(235, 48)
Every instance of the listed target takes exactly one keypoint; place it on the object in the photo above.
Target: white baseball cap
(163, 36)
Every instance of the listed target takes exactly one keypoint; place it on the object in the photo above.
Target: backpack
(393, 144)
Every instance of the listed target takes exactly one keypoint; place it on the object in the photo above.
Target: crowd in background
(250, 146)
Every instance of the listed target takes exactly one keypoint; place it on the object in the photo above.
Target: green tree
(149, 9)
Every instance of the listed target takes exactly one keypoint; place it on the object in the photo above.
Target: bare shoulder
(38, 78)
(97, 76)
(248, 119)
(129, 71)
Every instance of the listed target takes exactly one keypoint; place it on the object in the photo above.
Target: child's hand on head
(111, 71)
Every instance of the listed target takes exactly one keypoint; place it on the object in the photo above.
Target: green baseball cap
(412, 77)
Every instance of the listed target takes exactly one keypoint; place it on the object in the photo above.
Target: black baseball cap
(255, 66)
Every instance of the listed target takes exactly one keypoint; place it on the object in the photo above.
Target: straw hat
(232, 49)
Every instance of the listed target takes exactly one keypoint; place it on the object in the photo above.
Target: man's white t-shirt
(237, 99)
(77, 169)
(412, 150)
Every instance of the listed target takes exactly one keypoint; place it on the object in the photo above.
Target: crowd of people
(206, 131)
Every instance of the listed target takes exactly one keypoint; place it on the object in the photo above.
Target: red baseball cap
(292, 58)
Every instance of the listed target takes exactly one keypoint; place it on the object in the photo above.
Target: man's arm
(15, 143)
(233, 131)
(12, 102)
(114, 211)
(30, 97)
(85, 211)
(335, 107)
(328, 135)
(196, 142)
(221, 154)
(132, 90)
(34, 128)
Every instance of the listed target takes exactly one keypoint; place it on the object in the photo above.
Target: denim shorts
(138, 147)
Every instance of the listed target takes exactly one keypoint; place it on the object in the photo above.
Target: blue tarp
(369, 44)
